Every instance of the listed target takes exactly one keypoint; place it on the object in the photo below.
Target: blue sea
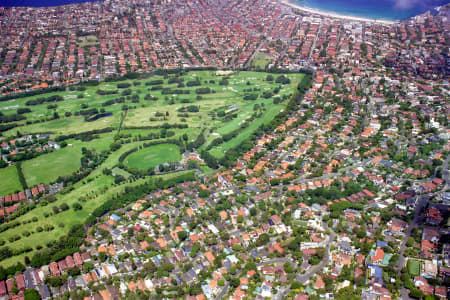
(391, 10)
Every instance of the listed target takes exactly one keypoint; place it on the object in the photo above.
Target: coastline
(335, 15)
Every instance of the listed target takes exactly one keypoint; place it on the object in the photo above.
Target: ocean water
(40, 3)
(392, 10)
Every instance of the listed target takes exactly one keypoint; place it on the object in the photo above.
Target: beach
(335, 15)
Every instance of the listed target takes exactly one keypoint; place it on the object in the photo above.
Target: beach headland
(335, 15)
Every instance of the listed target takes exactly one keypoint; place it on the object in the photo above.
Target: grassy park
(158, 108)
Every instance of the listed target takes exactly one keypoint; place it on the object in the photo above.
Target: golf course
(115, 134)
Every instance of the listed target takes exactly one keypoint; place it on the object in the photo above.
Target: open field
(90, 40)
(262, 60)
(46, 168)
(200, 101)
(10, 181)
(153, 156)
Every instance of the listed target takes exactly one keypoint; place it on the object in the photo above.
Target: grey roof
(44, 292)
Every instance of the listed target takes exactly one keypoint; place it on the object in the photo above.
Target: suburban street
(421, 204)
(303, 278)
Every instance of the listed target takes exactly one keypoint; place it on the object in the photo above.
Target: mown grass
(48, 167)
(141, 112)
(121, 172)
(153, 156)
(413, 267)
(262, 60)
(268, 116)
(10, 181)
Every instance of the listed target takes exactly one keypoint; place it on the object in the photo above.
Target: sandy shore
(334, 15)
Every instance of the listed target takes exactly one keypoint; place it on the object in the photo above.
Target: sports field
(153, 156)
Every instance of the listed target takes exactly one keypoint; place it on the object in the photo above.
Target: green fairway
(46, 168)
(220, 150)
(119, 171)
(153, 156)
(141, 109)
(10, 181)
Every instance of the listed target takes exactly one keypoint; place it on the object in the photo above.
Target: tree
(288, 267)
(3, 273)
(296, 285)
(262, 239)
(235, 282)
(320, 252)
(195, 289)
(167, 267)
(102, 256)
(55, 281)
(275, 181)
(314, 260)
(64, 207)
(32, 294)
(416, 293)
(363, 48)
(293, 245)
(203, 193)
(360, 281)
(73, 271)
(410, 242)
(77, 206)
(327, 280)
(150, 267)
(182, 235)
(221, 282)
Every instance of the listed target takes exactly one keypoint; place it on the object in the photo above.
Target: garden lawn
(153, 156)
(10, 181)
(413, 267)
